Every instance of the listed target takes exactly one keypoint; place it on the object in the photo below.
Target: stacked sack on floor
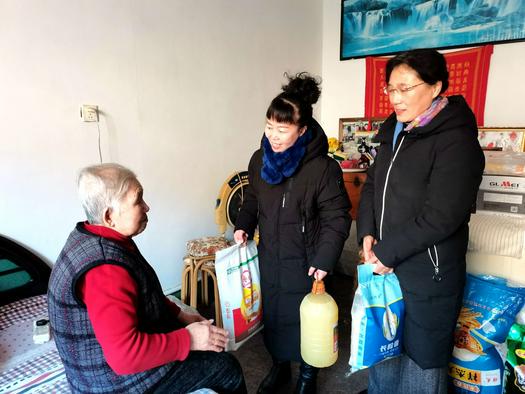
(489, 310)
(515, 364)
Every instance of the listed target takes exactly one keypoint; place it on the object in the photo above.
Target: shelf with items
(355, 147)
(358, 154)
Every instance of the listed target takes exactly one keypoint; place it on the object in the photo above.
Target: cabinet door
(354, 182)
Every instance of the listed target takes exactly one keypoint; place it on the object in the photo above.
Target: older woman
(115, 330)
(414, 213)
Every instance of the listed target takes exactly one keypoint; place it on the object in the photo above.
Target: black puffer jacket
(303, 222)
(416, 202)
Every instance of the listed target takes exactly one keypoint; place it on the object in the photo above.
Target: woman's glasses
(402, 90)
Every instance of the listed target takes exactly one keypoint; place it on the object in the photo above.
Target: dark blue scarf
(279, 165)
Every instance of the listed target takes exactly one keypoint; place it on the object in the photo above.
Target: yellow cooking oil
(319, 315)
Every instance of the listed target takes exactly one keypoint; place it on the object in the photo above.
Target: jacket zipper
(436, 277)
(287, 189)
(384, 188)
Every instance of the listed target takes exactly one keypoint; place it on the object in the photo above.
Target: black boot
(278, 376)
(307, 382)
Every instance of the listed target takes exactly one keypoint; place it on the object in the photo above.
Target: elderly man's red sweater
(110, 295)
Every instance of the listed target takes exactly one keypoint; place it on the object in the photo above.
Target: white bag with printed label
(237, 269)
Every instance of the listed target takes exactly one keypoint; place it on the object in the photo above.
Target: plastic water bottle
(319, 336)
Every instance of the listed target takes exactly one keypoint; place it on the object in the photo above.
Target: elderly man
(115, 330)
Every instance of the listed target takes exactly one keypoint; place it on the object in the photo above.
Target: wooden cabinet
(354, 182)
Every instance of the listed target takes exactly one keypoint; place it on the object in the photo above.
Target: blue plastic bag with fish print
(489, 310)
(378, 312)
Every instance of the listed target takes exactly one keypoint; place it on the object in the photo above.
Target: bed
(25, 367)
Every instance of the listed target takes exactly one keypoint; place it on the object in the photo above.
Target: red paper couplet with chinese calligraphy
(468, 73)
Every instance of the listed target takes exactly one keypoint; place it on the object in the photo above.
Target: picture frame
(502, 138)
(376, 124)
(373, 28)
(350, 128)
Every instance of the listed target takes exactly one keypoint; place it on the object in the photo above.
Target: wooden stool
(201, 259)
(207, 267)
(187, 281)
(187, 275)
(198, 263)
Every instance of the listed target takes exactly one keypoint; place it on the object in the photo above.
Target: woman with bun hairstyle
(297, 197)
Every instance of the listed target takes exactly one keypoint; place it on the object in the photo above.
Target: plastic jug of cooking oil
(319, 315)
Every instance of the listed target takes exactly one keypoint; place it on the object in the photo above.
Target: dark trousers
(401, 375)
(220, 372)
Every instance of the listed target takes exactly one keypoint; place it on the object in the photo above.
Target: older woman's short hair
(428, 63)
(103, 186)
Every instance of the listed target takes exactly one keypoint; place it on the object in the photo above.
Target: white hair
(103, 186)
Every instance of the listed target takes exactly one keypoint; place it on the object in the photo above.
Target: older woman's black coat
(416, 202)
(303, 222)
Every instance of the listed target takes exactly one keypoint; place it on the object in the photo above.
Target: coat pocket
(309, 230)
(294, 276)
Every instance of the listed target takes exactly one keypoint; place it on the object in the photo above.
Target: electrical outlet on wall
(89, 113)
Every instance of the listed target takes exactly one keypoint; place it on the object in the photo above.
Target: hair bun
(303, 86)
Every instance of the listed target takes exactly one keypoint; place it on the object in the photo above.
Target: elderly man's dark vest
(85, 365)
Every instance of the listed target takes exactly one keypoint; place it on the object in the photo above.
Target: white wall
(344, 81)
(183, 87)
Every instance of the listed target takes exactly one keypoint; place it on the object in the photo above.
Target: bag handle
(245, 248)
(365, 272)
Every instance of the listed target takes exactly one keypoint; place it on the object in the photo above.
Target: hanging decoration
(468, 73)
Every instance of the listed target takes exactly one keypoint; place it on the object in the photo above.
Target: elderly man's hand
(204, 336)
